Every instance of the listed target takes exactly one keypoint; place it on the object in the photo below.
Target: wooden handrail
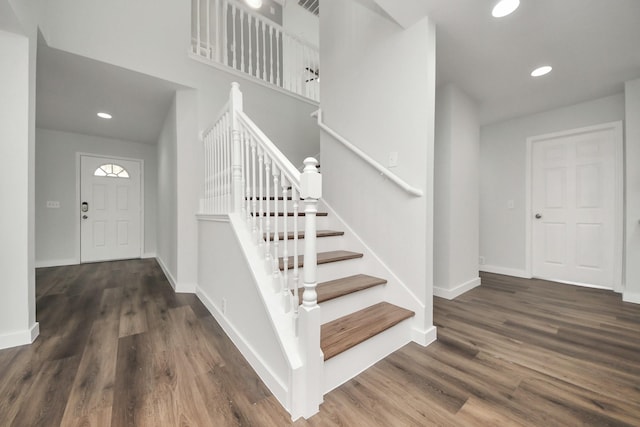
(364, 156)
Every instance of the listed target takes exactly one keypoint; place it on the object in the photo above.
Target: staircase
(345, 317)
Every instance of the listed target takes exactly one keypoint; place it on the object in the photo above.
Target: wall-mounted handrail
(364, 156)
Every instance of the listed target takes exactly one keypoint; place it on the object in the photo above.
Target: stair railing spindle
(276, 173)
(234, 51)
(247, 158)
(296, 260)
(242, 41)
(285, 251)
(261, 199)
(267, 230)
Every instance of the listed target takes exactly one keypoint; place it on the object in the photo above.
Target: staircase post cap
(235, 85)
(310, 165)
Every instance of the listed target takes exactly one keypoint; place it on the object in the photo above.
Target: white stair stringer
(282, 323)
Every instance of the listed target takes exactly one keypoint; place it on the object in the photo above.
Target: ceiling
(71, 90)
(593, 46)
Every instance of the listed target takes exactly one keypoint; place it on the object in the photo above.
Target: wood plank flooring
(118, 347)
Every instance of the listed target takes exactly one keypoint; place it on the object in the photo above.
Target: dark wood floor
(118, 348)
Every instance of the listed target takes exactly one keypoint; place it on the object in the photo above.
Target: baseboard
(457, 291)
(149, 255)
(424, 338)
(24, 337)
(56, 262)
(185, 288)
(276, 387)
(631, 297)
(506, 271)
(167, 273)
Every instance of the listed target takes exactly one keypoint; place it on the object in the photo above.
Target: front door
(110, 223)
(573, 203)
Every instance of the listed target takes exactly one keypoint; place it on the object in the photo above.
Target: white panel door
(110, 223)
(573, 203)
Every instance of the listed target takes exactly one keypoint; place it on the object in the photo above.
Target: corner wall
(632, 192)
(457, 153)
(17, 117)
(378, 91)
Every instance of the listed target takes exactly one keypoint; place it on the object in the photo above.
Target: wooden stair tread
(319, 233)
(288, 214)
(348, 331)
(323, 258)
(344, 286)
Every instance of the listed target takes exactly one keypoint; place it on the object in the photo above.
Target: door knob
(84, 217)
(538, 216)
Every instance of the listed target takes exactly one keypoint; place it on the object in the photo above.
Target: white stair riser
(324, 244)
(341, 368)
(336, 270)
(347, 304)
(321, 223)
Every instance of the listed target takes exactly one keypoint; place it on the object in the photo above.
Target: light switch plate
(53, 204)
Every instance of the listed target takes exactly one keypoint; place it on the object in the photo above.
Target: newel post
(309, 312)
(235, 100)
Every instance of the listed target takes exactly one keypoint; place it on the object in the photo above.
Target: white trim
(568, 282)
(456, 291)
(505, 271)
(618, 170)
(147, 255)
(15, 339)
(167, 273)
(367, 159)
(272, 382)
(424, 338)
(56, 262)
(250, 78)
(79, 155)
(213, 217)
(632, 297)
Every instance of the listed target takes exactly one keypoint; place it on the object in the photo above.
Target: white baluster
(276, 173)
(272, 73)
(227, 165)
(214, 169)
(255, 190)
(257, 50)
(224, 51)
(197, 49)
(242, 41)
(208, 29)
(264, 52)
(217, 33)
(278, 62)
(249, 28)
(285, 252)
(311, 191)
(261, 201)
(267, 228)
(247, 158)
(296, 260)
(234, 52)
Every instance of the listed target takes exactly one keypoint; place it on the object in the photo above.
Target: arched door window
(111, 170)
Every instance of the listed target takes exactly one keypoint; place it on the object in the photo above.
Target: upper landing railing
(228, 33)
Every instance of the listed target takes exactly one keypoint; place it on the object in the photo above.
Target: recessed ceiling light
(541, 71)
(504, 8)
(104, 115)
(255, 4)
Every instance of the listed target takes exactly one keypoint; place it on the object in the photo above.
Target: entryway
(110, 208)
(576, 206)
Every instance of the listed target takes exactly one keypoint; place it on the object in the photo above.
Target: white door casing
(110, 222)
(575, 214)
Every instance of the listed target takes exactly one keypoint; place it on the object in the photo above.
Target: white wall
(502, 176)
(378, 90)
(299, 21)
(456, 213)
(17, 287)
(167, 206)
(632, 182)
(57, 233)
